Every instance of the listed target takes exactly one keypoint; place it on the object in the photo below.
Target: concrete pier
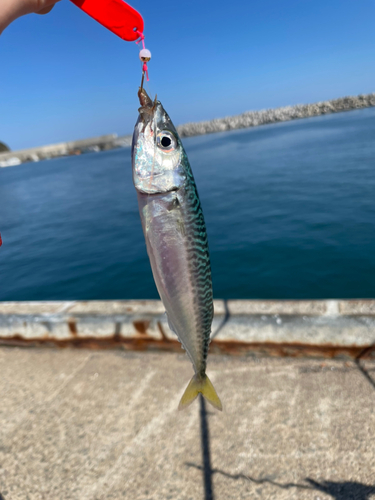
(104, 425)
(99, 424)
(322, 328)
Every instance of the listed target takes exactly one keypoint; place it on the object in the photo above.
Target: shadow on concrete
(1, 497)
(365, 373)
(251, 479)
(345, 490)
(361, 368)
(340, 490)
(225, 320)
(206, 452)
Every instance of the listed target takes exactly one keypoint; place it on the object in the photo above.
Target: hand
(12, 9)
(37, 6)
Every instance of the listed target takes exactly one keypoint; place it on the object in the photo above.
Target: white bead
(144, 53)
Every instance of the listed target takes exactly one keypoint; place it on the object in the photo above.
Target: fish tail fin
(203, 385)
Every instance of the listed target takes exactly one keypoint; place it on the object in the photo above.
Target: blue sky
(65, 77)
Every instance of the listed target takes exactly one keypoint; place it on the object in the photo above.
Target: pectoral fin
(201, 385)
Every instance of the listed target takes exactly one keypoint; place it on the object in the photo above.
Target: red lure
(115, 15)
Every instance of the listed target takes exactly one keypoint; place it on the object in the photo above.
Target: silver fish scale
(177, 246)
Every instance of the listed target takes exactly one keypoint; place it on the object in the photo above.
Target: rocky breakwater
(286, 113)
(3, 148)
(102, 143)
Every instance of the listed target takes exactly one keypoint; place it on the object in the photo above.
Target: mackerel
(176, 238)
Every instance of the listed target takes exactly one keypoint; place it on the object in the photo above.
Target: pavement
(90, 425)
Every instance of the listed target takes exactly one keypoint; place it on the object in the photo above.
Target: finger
(46, 9)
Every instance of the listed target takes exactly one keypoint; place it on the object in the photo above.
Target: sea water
(289, 209)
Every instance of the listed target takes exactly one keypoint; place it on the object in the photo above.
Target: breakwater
(244, 120)
(102, 143)
(286, 113)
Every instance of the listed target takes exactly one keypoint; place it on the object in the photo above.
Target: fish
(176, 238)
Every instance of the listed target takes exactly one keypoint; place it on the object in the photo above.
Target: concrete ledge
(328, 328)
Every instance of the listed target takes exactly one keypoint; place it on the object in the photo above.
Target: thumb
(48, 8)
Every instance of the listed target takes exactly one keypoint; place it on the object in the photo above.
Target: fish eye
(166, 141)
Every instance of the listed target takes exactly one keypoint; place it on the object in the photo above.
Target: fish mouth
(148, 106)
(144, 99)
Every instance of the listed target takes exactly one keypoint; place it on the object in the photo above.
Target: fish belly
(177, 246)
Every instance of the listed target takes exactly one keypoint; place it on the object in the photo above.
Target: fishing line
(146, 84)
(148, 87)
(155, 146)
(144, 57)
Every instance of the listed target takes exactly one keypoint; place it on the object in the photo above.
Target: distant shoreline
(244, 120)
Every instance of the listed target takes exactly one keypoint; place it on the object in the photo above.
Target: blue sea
(289, 208)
